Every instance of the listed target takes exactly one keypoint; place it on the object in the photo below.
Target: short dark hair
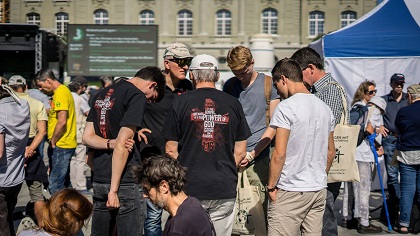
(17, 86)
(306, 56)
(45, 74)
(157, 168)
(289, 68)
(74, 87)
(153, 73)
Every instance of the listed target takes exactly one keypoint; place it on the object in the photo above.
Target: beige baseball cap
(177, 50)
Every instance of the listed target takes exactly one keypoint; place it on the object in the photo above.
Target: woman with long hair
(360, 191)
(64, 214)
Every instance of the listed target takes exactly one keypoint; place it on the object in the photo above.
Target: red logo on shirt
(102, 107)
(208, 124)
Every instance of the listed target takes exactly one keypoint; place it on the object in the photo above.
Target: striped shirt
(330, 93)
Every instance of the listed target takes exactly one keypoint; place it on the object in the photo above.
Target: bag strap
(267, 94)
(344, 114)
(242, 179)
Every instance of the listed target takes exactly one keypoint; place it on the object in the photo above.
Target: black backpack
(358, 116)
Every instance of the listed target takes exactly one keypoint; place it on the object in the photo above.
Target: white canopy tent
(381, 43)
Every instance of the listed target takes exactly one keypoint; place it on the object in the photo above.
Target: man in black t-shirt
(206, 131)
(163, 180)
(177, 58)
(113, 120)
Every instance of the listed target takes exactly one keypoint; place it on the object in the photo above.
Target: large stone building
(272, 28)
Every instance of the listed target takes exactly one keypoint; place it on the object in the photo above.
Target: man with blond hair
(250, 87)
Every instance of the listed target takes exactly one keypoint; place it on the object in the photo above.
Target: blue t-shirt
(408, 124)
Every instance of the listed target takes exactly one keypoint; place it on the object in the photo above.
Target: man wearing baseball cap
(35, 169)
(207, 131)
(177, 59)
(407, 123)
(395, 100)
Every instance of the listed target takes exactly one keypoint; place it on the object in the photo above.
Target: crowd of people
(161, 141)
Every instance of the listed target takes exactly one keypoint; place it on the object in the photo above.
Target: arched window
(146, 17)
(269, 21)
(347, 17)
(223, 22)
(61, 22)
(185, 22)
(33, 18)
(316, 23)
(100, 17)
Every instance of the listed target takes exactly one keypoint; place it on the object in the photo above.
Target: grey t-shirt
(253, 102)
(14, 124)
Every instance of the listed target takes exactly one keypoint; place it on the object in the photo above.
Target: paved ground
(375, 201)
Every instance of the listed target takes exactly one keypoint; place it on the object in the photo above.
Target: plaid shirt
(331, 95)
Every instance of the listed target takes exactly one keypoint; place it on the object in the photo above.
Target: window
(316, 23)
(100, 17)
(185, 22)
(223, 22)
(33, 18)
(347, 17)
(269, 21)
(61, 22)
(146, 17)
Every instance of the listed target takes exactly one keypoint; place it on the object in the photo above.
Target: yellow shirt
(62, 100)
(37, 111)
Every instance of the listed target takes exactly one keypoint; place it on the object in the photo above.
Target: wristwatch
(271, 189)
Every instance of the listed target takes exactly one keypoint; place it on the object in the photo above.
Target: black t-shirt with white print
(116, 106)
(206, 123)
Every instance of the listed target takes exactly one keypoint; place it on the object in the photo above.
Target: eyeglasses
(371, 92)
(182, 61)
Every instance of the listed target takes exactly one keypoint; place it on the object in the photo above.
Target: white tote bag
(249, 213)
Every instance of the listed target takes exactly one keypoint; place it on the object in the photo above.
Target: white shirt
(310, 122)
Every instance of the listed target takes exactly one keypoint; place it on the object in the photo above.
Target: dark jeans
(152, 225)
(59, 164)
(388, 144)
(329, 220)
(128, 219)
(410, 181)
(8, 200)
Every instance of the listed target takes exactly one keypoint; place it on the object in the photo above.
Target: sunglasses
(371, 92)
(182, 61)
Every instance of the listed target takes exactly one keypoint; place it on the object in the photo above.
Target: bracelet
(107, 144)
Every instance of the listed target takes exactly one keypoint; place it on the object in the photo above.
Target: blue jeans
(59, 164)
(126, 220)
(152, 225)
(410, 180)
(388, 144)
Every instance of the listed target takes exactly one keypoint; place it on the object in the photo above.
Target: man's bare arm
(171, 148)
(273, 104)
(331, 151)
(60, 127)
(41, 127)
(277, 161)
(239, 151)
(119, 161)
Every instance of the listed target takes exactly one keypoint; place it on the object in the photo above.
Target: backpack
(358, 116)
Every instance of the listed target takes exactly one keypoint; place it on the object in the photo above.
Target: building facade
(271, 28)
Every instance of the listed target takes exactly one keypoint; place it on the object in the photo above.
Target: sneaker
(371, 229)
(350, 224)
